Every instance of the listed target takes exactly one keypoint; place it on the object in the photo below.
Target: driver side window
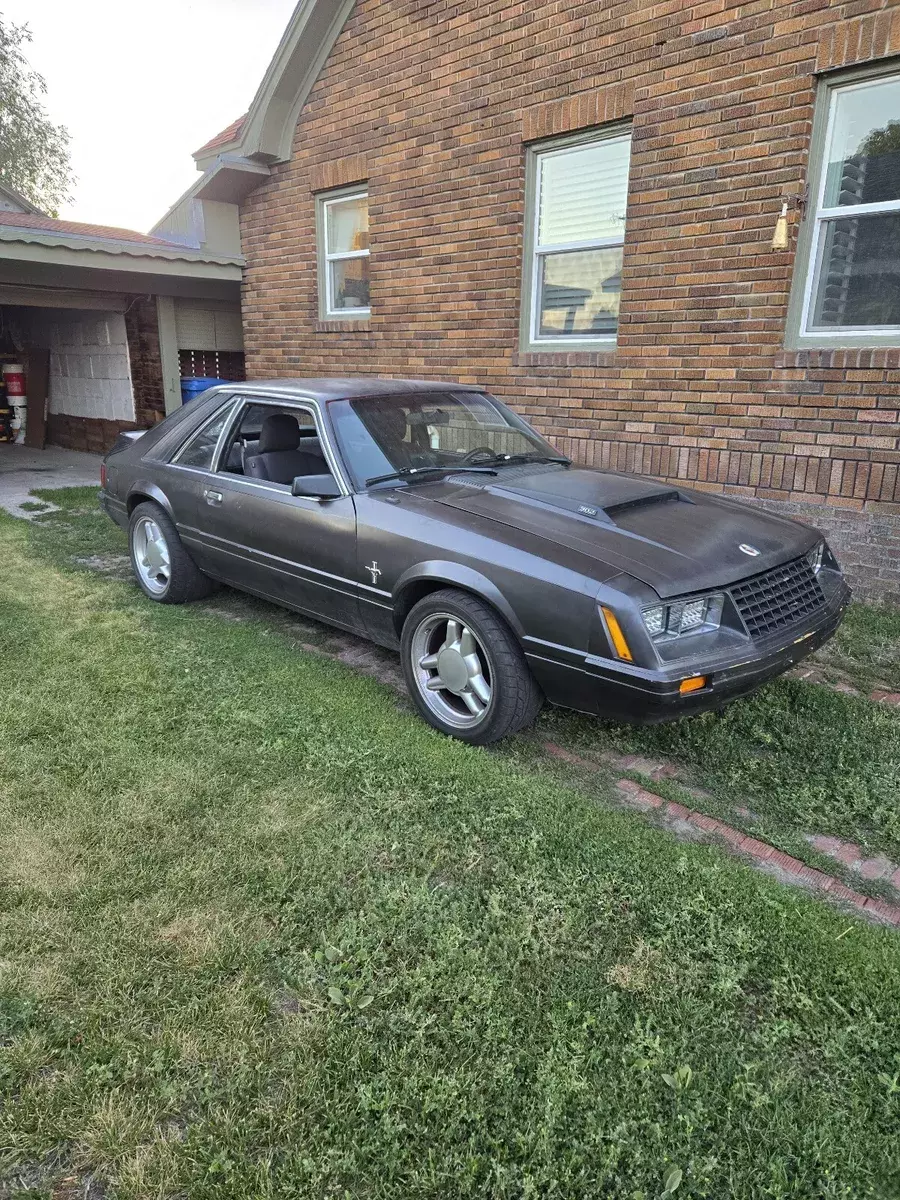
(274, 444)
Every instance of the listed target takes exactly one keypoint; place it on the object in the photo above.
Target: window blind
(198, 327)
(584, 192)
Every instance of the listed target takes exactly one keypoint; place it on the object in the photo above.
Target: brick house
(574, 204)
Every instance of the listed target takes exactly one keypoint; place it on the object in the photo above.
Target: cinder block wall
(89, 369)
(434, 103)
(90, 395)
(105, 372)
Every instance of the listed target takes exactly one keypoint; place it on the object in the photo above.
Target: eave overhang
(230, 179)
(103, 255)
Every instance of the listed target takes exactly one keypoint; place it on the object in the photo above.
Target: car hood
(673, 539)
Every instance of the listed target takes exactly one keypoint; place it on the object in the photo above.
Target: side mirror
(316, 487)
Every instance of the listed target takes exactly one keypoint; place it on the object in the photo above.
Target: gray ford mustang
(429, 516)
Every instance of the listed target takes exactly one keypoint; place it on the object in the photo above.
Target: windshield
(381, 435)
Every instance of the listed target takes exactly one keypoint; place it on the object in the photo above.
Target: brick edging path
(688, 823)
(812, 673)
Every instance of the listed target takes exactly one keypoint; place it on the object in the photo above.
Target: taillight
(103, 474)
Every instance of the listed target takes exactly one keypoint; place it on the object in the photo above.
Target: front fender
(457, 575)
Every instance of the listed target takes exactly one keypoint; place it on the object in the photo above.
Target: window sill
(841, 357)
(828, 341)
(342, 325)
(559, 354)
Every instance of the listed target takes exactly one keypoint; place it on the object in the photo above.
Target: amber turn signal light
(618, 637)
(693, 685)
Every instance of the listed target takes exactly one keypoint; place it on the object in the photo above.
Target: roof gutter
(116, 257)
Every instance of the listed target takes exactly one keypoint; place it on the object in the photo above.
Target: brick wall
(93, 434)
(142, 328)
(433, 102)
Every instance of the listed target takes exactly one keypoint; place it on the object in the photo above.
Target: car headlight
(700, 615)
(655, 620)
(816, 557)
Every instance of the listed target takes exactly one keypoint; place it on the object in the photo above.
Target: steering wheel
(472, 454)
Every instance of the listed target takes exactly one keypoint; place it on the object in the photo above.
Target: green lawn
(265, 935)
(803, 758)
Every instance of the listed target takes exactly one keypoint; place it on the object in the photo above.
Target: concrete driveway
(22, 470)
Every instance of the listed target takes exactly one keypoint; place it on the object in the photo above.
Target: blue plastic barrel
(191, 387)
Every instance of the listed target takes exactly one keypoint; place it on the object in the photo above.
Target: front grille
(778, 598)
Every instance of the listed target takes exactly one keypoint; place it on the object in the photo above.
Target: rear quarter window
(199, 450)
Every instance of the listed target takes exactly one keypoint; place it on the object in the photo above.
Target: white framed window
(576, 197)
(849, 248)
(343, 241)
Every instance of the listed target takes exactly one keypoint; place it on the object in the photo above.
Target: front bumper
(625, 693)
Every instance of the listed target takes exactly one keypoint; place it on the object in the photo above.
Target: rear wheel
(465, 670)
(163, 568)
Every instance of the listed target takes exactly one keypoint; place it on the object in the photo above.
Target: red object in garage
(14, 378)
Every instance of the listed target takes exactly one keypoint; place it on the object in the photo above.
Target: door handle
(212, 497)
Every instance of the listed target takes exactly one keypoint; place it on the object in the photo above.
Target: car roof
(351, 388)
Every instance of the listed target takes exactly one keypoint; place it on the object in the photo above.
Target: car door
(295, 550)
(185, 476)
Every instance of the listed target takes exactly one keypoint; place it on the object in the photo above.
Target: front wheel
(163, 568)
(465, 670)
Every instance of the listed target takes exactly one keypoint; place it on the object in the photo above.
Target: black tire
(185, 580)
(515, 697)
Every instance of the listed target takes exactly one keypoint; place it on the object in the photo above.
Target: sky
(140, 86)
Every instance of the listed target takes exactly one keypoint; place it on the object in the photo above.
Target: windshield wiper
(412, 472)
(502, 460)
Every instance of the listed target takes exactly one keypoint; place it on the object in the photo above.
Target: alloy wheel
(151, 556)
(452, 670)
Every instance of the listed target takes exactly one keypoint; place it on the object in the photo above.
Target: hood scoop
(617, 493)
(613, 510)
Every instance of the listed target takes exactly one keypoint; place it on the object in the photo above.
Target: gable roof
(22, 204)
(266, 133)
(237, 159)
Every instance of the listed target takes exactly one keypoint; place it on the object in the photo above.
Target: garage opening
(76, 368)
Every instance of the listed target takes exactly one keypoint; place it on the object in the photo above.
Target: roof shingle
(229, 134)
(78, 229)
